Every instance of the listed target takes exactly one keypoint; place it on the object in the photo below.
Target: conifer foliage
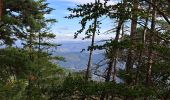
(136, 65)
(26, 71)
(140, 47)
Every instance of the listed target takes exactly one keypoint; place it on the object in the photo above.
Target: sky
(65, 28)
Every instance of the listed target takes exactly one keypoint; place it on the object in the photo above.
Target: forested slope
(138, 54)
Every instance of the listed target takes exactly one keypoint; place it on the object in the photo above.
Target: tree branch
(163, 14)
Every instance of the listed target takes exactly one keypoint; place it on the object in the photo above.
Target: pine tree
(88, 12)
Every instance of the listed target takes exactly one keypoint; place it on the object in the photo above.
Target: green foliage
(88, 12)
(13, 62)
(29, 73)
(22, 76)
(19, 21)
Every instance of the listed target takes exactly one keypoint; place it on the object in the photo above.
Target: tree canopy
(140, 42)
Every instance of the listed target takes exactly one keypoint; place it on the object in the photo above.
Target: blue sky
(65, 28)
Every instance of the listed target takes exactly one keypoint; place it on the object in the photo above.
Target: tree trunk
(150, 55)
(87, 75)
(150, 52)
(89, 65)
(141, 52)
(91, 52)
(130, 60)
(114, 56)
(113, 60)
(1, 9)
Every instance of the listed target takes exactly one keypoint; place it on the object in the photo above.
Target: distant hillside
(74, 59)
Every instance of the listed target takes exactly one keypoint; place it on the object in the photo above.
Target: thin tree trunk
(1, 14)
(39, 45)
(89, 65)
(39, 42)
(130, 60)
(1, 9)
(122, 34)
(114, 50)
(112, 63)
(30, 47)
(91, 52)
(150, 52)
(87, 75)
(150, 55)
(143, 43)
(114, 66)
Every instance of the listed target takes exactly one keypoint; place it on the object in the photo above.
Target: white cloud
(70, 37)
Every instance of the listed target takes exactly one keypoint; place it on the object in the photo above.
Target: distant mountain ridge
(75, 59)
